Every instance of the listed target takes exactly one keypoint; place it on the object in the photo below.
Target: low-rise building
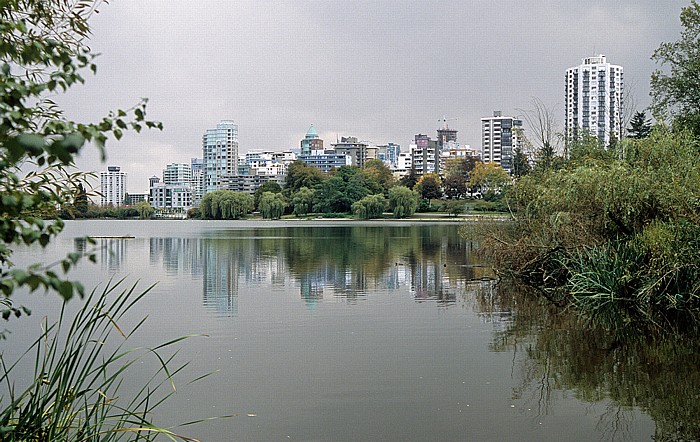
(327, 160)
(251, 183)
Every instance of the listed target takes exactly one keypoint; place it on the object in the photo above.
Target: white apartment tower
(219, 155)
(594, 91)
(112, 186)
(500, 136)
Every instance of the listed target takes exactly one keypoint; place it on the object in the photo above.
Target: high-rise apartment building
(594, 92)
(219, 155)
(425, 155)
(500, 136)
(389, 153)
(197, 183)
(311, 142)
(112, 186)
(174, 194)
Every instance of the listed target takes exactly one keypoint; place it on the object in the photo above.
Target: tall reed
(80, 364)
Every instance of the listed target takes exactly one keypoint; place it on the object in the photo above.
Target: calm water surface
(348, 331)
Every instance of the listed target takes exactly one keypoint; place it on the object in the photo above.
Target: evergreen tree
(640, 126)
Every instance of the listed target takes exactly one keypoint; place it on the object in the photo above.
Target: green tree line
(367, 192)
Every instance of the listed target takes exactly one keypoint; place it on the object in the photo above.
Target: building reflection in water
(112, 253)
(177, 255)
(346, 264)
(222, 265)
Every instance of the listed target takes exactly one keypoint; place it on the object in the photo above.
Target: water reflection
(555, 357)
(552, 350)
(431, 262)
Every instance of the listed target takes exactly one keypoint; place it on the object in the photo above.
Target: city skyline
(380, 71)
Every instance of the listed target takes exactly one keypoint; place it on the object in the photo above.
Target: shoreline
(422, 217)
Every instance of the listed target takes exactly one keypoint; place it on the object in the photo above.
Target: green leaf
(32, 143)
(33, 281)
(65, 289)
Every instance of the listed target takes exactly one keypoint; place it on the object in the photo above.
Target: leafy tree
(410, 179)
(145, 209)
(460, 166)
(41, 54)
(81, 202)
(207, 206)
(272, 205)
(268, 186)
(429, 186)
(226, 204)
(345, 185)
(301, 175)
(676, 93)
(640, 126)
(616, 235)
(371, 206)
(455, 186)
(236, 205)
(378, 172)
(588, 146)
(402, 201)
(521, 164)
(488, 176)
(303, 201)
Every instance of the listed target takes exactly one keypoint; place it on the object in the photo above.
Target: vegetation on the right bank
(615, 230)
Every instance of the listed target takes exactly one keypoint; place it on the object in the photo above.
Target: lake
(348, 330)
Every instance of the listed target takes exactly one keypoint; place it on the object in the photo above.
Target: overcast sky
(380, 70)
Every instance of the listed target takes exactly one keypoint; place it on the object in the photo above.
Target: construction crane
(445, 120)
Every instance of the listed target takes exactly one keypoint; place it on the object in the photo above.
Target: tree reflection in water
(553, 349)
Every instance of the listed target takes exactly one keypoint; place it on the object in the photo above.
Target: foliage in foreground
(42, 54)
(77, 372)
(79, 367)
(615, 232)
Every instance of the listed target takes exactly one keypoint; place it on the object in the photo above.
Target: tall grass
(79, 366)
(653, 276)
